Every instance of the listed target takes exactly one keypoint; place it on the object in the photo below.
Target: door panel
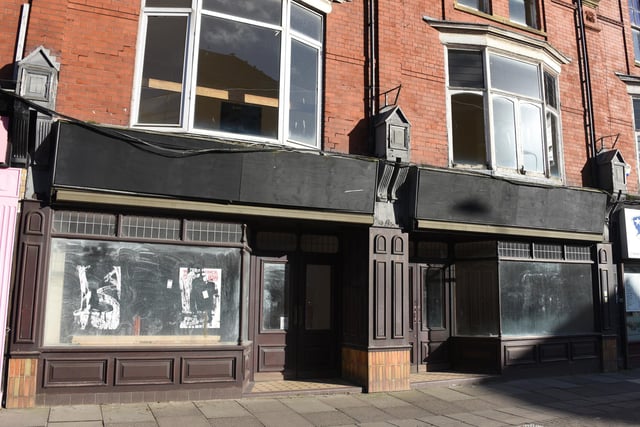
(429, 327)
(317, 338)
(273, 343)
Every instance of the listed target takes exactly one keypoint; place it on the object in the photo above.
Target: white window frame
(635, 28)
(195, 16)
(492, 40)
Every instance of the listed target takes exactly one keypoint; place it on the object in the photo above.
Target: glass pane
(238, 78)
(303, 99)
(466, 69)
(306, 22)
(163, 69)
(275, 297)
(550, 90)
(514, 76)
(636, 43)
(480, 5)
(546, 298)
(317, 309)
(504, 133)
(636, 113)
(433, 298)
(523, 12)
(110, 293)
(467, 123)
(168, 3)
(531, 135)
(553, 145)
(476, 299)
(269, 11)
(634, 11)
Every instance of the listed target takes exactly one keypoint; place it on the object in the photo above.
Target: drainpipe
(372, 70)
(586, 90)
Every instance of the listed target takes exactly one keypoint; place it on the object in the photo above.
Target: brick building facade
(219, 193)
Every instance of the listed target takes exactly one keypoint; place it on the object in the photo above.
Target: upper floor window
(504, 113)
(249, 69)
(634, 12)
(480, 5)
(523, 12)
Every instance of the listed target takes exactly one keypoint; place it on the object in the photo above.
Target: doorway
(295, 323)
(430, 322)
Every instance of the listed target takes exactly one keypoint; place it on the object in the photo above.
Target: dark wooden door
(294, 323)
(430, 321)
(317, 338)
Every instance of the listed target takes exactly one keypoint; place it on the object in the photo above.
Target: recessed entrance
(294, 322)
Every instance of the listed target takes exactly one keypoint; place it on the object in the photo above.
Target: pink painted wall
(9, 194)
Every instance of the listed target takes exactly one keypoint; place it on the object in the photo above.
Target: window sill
(500, 19)
(509, 176)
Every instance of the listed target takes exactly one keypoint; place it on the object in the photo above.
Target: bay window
(504, 113)
(248, 70)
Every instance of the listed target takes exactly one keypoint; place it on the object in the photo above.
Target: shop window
(480, 5)
(504, 114)
(545, 298)
(106, 293)
(151, 228)
(634, 14)
(213, 232)
(249, 69)
(523, 12)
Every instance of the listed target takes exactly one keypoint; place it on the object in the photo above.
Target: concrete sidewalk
(583, 400)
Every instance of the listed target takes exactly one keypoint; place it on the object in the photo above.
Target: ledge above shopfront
(98, 165)
(467, 202)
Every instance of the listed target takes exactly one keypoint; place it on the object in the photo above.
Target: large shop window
(105, 292)
(248, 69)
(527, 289)
(504, 114)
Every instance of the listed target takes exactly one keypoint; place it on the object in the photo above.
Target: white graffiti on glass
(106, 314)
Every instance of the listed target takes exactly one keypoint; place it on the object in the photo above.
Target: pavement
(604, 399)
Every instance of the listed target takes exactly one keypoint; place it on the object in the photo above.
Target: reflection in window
(523, 12)
(105, 293)
(546, 298)
(481, 5)
(433, 298)
(238, 83)
(275, 296)
(522, 117)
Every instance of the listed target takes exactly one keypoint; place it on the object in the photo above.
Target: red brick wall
(95, 44)
(10, 18)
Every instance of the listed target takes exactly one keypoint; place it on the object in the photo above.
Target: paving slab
(476, 420)
(405, 412)
(408, 423)
(382, 401)
(174, 409)
(133, 424)
(257, 406)
(76, 424)
(333, 418)
(445, 393)
(307, 405)
(249, 421)
(131, 413)
(35, 417)
(278, 419)
(183, 420)
(75, 413)
(442, 421)
(339, 402)
(367, 414)
(222, 409)
(503, 417)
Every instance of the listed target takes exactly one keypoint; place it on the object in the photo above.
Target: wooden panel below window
(520, 355)
(144, 371)
(554, 352)
(206, 370)
(66, 373)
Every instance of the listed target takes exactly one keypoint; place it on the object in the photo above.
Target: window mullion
(285, 73)
(490, 148)
(191, 66)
